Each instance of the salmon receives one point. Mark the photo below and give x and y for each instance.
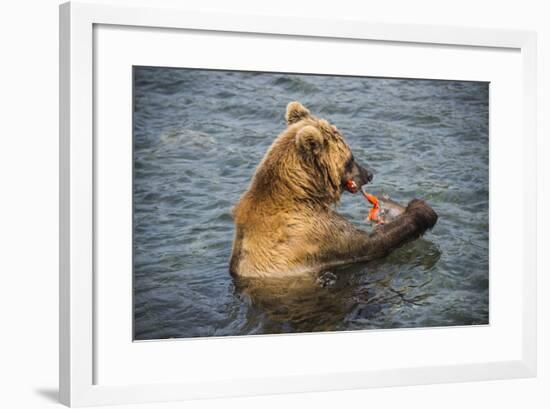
(384, 209)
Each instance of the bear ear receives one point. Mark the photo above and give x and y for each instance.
(309, 141)
(295, 112)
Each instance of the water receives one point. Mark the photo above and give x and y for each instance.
(198, 136)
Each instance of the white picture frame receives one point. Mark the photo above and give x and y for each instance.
(78, 291)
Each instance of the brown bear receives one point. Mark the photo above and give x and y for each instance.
(285, 221)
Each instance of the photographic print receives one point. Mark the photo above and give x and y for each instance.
(270, 203)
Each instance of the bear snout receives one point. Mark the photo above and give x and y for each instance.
(362, 175)
(367, 175)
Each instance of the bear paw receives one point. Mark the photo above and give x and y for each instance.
(423, 215)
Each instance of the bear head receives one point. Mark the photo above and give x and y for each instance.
(310, 161)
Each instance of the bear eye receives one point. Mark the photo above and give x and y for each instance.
(349, 164)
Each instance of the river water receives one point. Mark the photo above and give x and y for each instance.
(198, 136)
